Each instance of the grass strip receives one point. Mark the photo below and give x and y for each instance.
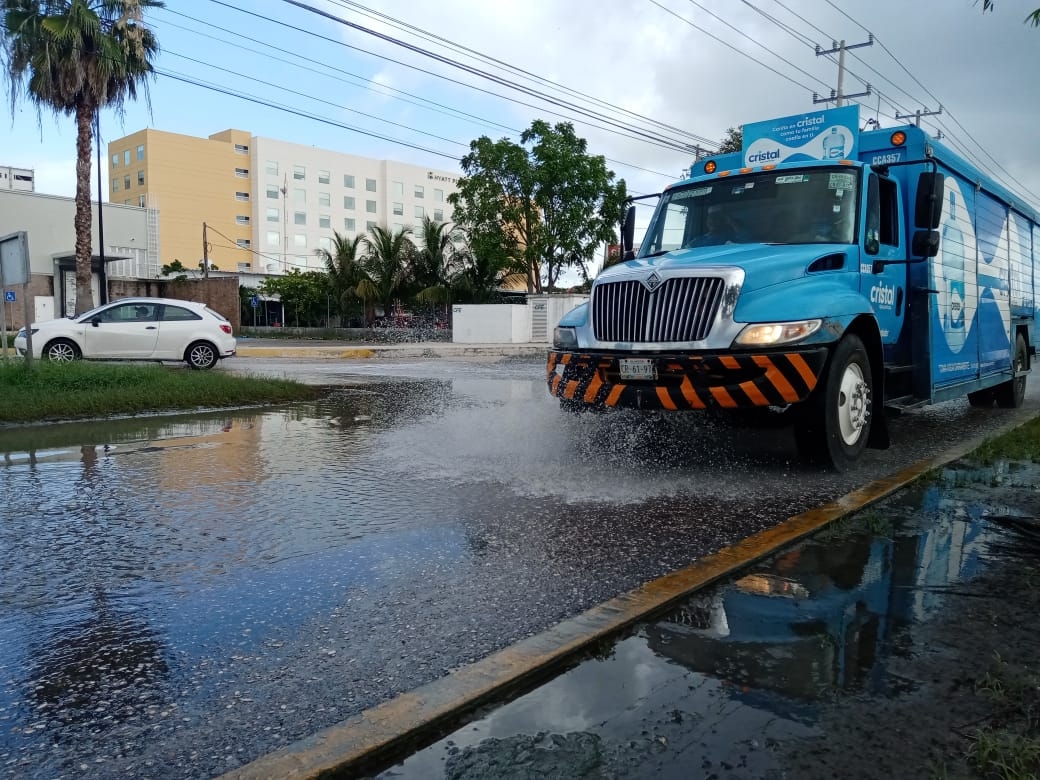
(54, 391)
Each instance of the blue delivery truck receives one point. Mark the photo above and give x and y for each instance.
(819, 276)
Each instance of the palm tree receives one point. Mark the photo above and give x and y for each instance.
(386, 264)
(76, 57)
(436, 263)
(343, 266)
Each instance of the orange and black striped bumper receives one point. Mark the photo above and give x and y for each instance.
(732, 381)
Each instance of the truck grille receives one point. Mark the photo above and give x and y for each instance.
(681, 309)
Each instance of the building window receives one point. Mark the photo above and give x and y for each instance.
(348, 181)
(348, 224)
(325, 242)
(299, 172)
(398, 209)
(370, 206)
(419, 212)
(241, 149)
(300, 218)
(419, 191)
(369, 225)
(115, 160)
(438, 195)
(115, 184)
(126, 180)
(243, 196)
(274, 238)
(438, 215)
(397, 188)
(324, 199)
(140, 178)
(242, 173)
(272, 191)
(299, 195)
(324, 177)
(126, 157)
(273, 215)
(370, 185)
(241, 219)
(300, 240)
(244, 266)
(271, 169)
(140, 201)
(324, 221)
(128, 202)
(398, 227)
(243, 243)
(348, 202)
(140, 152)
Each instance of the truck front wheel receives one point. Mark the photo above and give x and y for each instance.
(835, 423)
(1010, 394)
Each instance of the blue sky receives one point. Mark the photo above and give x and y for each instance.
(699, 66)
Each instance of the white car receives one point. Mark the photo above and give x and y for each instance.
(160, 329)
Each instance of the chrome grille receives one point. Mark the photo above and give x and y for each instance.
(681, 309)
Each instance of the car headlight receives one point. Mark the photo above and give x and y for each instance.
(774, 333)
(20, 334)
(565, 338)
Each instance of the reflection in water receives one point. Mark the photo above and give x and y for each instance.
(739, 668)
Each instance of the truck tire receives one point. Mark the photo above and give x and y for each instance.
(835, 423)
(1010, 394)
(981, 399)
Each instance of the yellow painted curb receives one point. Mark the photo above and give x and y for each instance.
(381, 733)
(306, 352)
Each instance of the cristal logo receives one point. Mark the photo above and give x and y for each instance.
(884, 295)
(772, 154)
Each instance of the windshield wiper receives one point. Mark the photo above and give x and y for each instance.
(658, 253)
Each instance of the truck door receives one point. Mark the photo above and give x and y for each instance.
(886, 290)
(955, 332)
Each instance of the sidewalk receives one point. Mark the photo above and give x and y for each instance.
(357, 350)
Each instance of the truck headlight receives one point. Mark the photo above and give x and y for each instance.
(565, 338)
(774, 333)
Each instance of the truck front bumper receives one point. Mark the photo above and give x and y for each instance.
(687, 381)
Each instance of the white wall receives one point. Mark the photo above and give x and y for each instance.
(490, 323)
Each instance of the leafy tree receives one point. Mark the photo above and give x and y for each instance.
(343, 266)
(176, 267)
(304, 294)
(386, 262)
(1033, 18)
(733, 140)
(76, 57)
(436, 262)
(542, 205)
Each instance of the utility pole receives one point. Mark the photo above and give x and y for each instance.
(205, 253)
(916, 116)
(840, 48)
(285, 224)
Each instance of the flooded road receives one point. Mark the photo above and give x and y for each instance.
(182, 594)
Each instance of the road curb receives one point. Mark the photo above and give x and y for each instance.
(382, 733)
(395, 351)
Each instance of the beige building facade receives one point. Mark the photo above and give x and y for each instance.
(269, 206)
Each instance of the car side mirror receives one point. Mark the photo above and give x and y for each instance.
(95, 321)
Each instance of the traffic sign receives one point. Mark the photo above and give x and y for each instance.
(254, 301)
(9, 296)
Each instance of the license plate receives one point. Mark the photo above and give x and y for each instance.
(637, 368)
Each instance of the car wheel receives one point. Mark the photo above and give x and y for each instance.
(61, 351)
(201, 356)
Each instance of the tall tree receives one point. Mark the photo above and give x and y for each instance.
(76, 57)
(733, 141)
(436, 262)
(544, 204)
(386, 264)
(1032, 18)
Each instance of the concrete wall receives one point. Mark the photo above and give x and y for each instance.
(490, 323)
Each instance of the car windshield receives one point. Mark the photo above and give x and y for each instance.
(810, 206)
(85, 316)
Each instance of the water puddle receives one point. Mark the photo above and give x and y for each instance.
(714, 687)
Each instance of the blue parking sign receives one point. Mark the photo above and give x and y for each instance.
(9, 296)
(254, 301)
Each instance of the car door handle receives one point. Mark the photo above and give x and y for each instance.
(150, 327)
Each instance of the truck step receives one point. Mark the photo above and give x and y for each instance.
(905, 402)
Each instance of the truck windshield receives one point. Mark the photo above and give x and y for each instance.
(809, 206)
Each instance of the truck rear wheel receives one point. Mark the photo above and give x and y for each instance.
(835, 422)
(1010, 394)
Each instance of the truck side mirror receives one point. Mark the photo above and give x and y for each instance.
(928, 208)
(628, 233)
(925, 243)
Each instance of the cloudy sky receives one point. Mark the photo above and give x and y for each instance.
(643, 80)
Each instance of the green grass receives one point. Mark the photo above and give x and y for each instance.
(1023, 443)
(49, 391)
